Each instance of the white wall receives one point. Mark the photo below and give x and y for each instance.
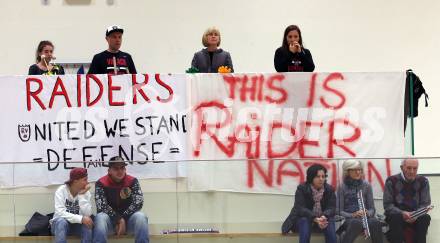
(162, 36)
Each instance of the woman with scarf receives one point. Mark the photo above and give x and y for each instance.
(348, 205)
(314, 207)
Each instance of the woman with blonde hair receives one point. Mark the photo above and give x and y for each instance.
(211, 58)
(348, 203)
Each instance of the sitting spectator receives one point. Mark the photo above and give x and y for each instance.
(119, 200)
(405, 193)
(314, 207)
(73, 208)
(348, 204)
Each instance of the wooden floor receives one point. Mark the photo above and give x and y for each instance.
(161, 236)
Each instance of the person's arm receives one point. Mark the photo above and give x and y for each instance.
(194, 62)
(85, 205)
(330, 209)
(300, 204)
(33, 70)
(388, 199)
(282, 59)
(369, 201)
(425, 195)
(102, 204)
(137, 200)
(61, 210)
(307, 60)
(229, 62)
(341, 204)
(93, 68)
(131, 66)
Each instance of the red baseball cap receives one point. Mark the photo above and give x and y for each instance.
(77, 173)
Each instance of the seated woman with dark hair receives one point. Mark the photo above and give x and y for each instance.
(314, 207)
(348, 204)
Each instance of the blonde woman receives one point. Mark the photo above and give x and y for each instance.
(209, 59)
(348, 205)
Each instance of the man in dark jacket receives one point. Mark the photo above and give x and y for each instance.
(112, 60)
(314, 207)
(404, 194)
(119, 200)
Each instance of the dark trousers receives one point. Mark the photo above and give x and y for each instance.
(397, 225)
(305, 226)
(353, 228)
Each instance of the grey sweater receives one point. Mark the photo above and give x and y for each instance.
(347, 202)
(202, 61)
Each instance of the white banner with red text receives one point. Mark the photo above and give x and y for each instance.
(283, 123)
(235, 132)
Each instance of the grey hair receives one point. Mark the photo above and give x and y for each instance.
(351, 164)
(408, 158)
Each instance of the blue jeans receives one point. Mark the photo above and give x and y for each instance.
(137, 224)
(62, 228)
(304, 226)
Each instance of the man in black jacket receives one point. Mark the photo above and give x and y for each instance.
(112, 60)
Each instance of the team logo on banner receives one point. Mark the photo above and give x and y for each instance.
(24, 132)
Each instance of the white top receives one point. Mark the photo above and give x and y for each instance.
(71, 208)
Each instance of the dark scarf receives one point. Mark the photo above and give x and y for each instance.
(350, 194)
(352, 182)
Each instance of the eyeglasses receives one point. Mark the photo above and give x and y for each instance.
(356, 170)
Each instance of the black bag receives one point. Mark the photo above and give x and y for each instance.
(37, 225)
(289, 223)
(418, 91)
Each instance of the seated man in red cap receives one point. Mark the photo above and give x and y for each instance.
(119, 200)
(73, 208)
